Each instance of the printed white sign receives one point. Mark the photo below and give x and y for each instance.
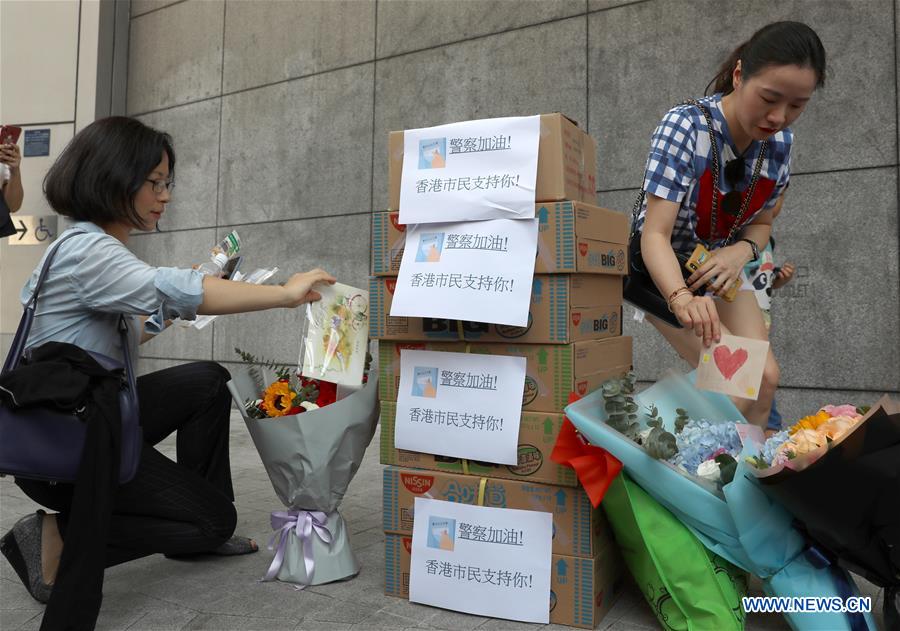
(484, 169)
(491, 562)
(480, 271)
(460, 405)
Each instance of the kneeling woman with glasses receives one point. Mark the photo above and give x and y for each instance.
(115, 177)
(742, 134)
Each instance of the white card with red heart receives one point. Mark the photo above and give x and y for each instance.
(734, 366)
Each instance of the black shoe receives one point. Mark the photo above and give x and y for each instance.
(22, 548)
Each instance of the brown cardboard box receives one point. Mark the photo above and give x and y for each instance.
(572, 237)
(582, 591)
(567, 163)
(537, 436)
(564, 308)
(579, 529)
(552, 371)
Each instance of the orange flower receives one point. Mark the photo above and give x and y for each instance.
(810, 422)
(278, 399)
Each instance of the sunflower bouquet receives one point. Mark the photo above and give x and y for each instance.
(290, 393)
(311, 436)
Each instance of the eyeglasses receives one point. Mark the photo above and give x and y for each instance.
(734, 175)
(162, 185)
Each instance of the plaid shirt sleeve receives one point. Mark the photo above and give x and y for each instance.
(784, 170)
(670, 167)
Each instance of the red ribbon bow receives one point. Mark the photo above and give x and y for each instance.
(595, 467)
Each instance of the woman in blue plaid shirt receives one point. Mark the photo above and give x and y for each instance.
(760, 90)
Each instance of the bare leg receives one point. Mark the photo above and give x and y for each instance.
(51, 548)
(744, 318)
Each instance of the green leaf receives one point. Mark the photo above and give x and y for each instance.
(660, 444)
(727, 467)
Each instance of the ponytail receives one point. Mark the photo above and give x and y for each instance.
(776, 44)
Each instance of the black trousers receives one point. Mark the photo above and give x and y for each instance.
(170, 507)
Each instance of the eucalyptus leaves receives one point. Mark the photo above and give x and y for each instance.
(697, 447)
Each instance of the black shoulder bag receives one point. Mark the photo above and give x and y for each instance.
(639, 288)
(45, 443)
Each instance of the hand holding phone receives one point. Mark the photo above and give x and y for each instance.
(9, 134)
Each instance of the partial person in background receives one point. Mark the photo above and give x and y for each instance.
(11, 176)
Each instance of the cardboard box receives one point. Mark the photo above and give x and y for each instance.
(572, 237)
(579, 529)
(582, 591)
(564, 308)
(537, 436)
(567, 163)
(552, 371)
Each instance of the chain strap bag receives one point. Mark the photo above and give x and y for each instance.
(43, 443)
(639, 289)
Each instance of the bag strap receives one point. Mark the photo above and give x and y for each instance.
(757, 168)
(21, 337)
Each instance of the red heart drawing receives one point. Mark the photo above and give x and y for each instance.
(576, 318)
(582, 247)
(729, 362)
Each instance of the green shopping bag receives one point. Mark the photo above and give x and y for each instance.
(688, 587)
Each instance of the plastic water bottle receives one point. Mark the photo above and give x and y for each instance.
(219, 255)
(215, 265)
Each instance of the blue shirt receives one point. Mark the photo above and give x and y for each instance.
(93, 279)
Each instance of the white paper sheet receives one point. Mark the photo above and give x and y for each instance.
(461, 405)
(487, 561)
(484, 169)
(479, 270)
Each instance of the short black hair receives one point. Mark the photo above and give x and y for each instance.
(100, 171)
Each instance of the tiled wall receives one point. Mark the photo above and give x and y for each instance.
(281, 110)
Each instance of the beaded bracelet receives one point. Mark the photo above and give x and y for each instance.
(677, 294)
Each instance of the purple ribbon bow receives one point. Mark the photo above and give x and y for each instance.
(304, 523)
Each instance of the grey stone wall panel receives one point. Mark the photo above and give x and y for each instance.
(175, 56)
(836, 324)
(643, 61)
(195, 133)
(408, 25)
(298, 149)
(139, 7)
(267, 41)
(530, 71)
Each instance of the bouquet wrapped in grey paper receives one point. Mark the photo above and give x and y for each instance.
(311, 458)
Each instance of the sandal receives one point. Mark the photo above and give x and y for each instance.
(237, 545)
(22, 548)
(231, 547)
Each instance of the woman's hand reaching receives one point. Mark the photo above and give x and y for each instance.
(299, 287)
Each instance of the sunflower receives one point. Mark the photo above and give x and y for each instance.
(810, 422)
(278, 399)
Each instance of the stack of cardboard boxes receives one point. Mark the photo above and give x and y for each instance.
(572, 342)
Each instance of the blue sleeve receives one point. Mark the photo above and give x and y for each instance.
(784, 168)
(670, 166)
(109, 278)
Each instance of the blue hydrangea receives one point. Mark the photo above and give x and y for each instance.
(700, 439)
(772, 444)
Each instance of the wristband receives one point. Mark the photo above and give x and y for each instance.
(754, 248)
